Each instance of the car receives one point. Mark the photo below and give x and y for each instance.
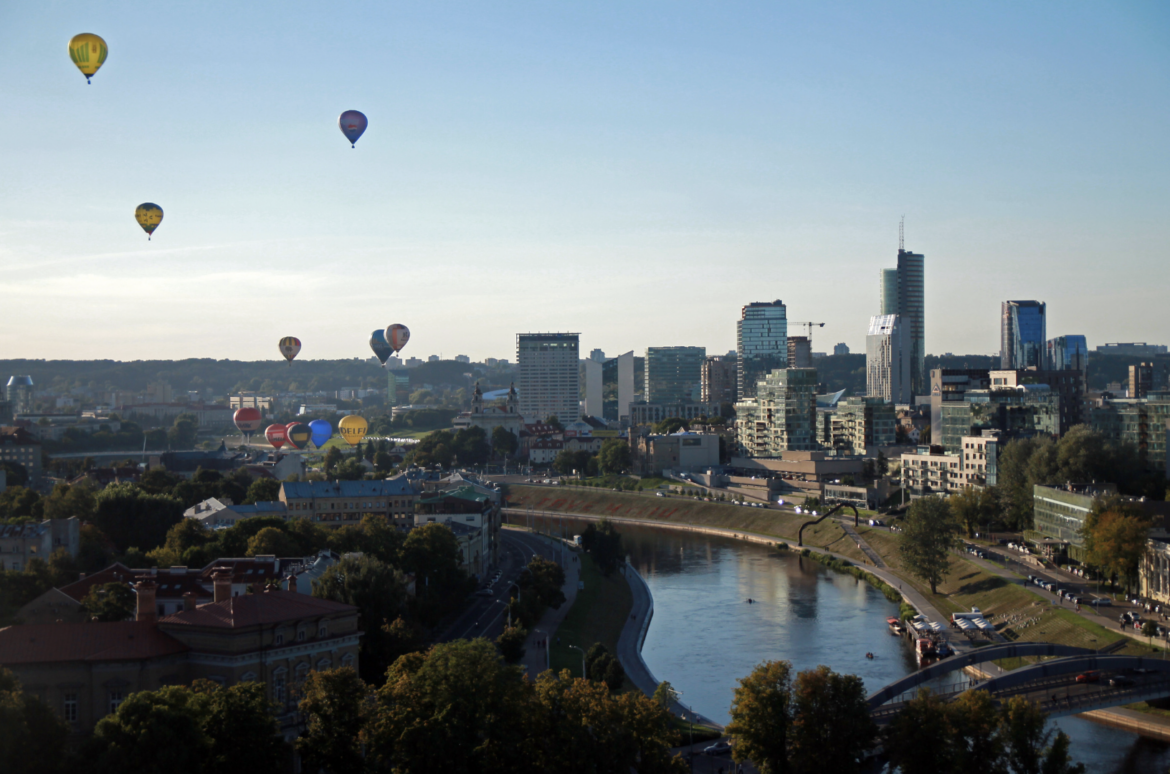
(485, 592)
(1091, 676)
(1120, 681)
(719, 748)
(660, 494)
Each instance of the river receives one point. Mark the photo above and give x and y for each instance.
(705, 636)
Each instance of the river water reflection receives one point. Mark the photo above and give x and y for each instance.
(704, 635)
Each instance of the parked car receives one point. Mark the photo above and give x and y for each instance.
(1092, 676)
(719, 748)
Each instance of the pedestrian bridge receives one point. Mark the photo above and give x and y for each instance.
(1051, 683)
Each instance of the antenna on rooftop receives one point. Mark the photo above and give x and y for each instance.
(902, 234)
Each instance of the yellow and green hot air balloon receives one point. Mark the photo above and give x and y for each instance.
(88, 52)
(148, 216)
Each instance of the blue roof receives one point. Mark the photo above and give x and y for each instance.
(388, 488)
(258, 509)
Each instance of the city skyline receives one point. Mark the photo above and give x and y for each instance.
(761, 153)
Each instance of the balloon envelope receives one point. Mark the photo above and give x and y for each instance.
(321, 430)
(88, 52)
(353, 123)
(275, 435)
(397, 336)
(382, 350)
(289, 347)
(353, 429)
(298, 435)
(247, 420)
(148, 216)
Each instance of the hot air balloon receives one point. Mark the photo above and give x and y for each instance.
(289, 347)
(298, 435)
(88, 52)
(148, 216)
(247, 420)
(275, 435)
(382, 350)
(353, 123)
(321, 431)
(397, 336)
(353, 429)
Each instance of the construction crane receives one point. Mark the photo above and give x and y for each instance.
(808, 326)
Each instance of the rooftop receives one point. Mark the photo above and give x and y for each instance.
(392, 487)
(94, 642)
(261, 609)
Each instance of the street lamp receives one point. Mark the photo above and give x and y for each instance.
(547, 655)
(675, 694)
(583, 672)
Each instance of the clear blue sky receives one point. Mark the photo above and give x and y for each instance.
(633, 171)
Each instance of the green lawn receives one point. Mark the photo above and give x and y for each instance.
(598, 615)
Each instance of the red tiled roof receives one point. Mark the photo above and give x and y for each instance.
(173, 585)
(244, 570)
(261, 609)
(115, 572)
(54, 642)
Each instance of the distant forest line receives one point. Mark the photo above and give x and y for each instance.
(221, 377)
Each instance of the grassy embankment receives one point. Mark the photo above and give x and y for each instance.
(673, 509)
(598, 615)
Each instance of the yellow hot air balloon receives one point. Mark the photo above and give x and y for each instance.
(88, 52)
(148, 216)
(353, 429)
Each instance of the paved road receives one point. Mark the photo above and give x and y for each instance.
(486, 616)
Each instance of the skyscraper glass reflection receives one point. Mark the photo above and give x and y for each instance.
(1022, 334)
(761, 342)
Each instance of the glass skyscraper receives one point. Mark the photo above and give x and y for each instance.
(1068, 353)
(674, 374)
(761, 342)
(1022, 334)
(903, 294)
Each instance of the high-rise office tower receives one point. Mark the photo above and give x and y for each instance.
(889, 291)
(1067, 353)
(718, 379)
(674, 374)
(887, 360)
(550, 375)
(799, 352)
(761, 343)
(903, 292)
(1022, 334)
(19, 392)
(594, 387)
(625, 383)
(1141, 379)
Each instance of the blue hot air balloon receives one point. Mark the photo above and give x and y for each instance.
(382, 350)
(322, 431)
(353, 123)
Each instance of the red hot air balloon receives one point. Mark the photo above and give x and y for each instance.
(248, 420)
(298, 435)
(275, 435)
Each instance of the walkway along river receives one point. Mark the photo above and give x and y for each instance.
(705, 636)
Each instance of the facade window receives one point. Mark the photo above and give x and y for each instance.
(323, 631)
(278, 689)
(115, 700)
(70, 707)
(280, 639)
(300, 635)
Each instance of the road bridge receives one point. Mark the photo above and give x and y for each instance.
(1071, 680)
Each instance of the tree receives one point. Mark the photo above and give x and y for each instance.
(457, 707)
(604, 543)
(336, 712)
(504, 442)
(262, 490)
(471, 446)
(614, 456)
(33, 740)
(114, 601)
(69, 501)
(379, 592)
(383, 462)
(974, 508)
(761, 714)
(670, 425)
(929, 532)
(16, 475)
(402, 637)
(1028, 748)
(182, 434)
(918, 740)
(333, 458)
(831, 727)
(511, 643)
(242, 727)
(1114, 536)
(350, 470)
(131, 517)
(435, 448)
(272, 541)
(20, 504)
(602, 667)
(665, 695)
(152, 732)
(432, 553)
(555, 423)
